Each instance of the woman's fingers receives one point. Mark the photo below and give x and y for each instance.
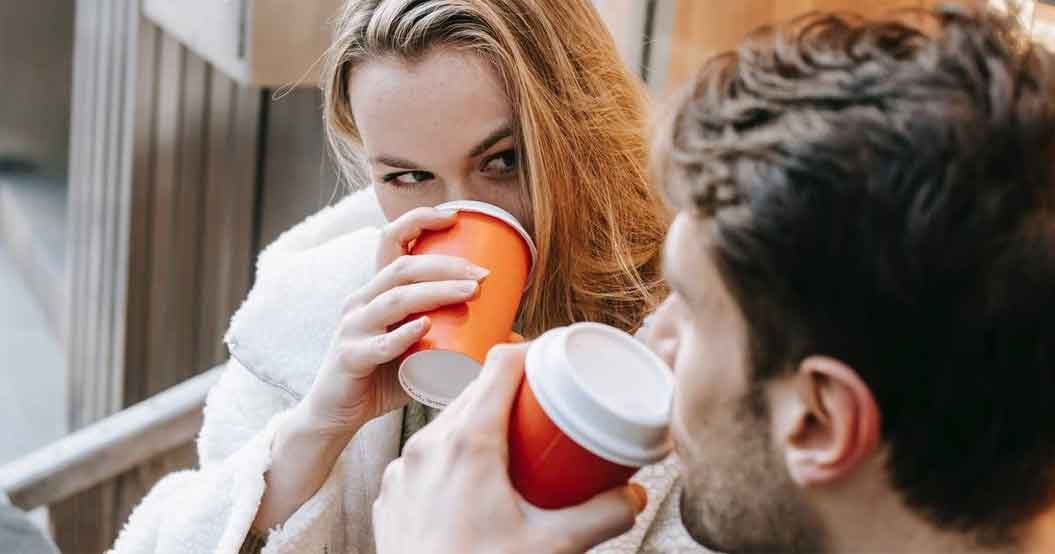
(397, 304)
(397, 235)
(407, 270)
(371, 352)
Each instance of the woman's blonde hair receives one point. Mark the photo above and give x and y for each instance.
(580, 118)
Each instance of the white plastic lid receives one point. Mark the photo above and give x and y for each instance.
(605, 390)
(436, 377)
(497, 213)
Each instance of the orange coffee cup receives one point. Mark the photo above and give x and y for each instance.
(593, 408)
(436, 369)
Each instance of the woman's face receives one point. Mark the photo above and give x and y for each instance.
(438, 129)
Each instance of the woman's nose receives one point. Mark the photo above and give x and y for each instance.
(458, 190)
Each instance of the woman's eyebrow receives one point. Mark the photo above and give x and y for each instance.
(393, 161)
(502, 132)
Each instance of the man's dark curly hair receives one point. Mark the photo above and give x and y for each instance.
(882, 192)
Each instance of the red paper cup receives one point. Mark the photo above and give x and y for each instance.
(593, 408)
(441, 365)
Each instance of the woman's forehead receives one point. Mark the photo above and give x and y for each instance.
(450, 99)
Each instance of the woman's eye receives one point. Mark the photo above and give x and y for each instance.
(408, 177)
(501, 165)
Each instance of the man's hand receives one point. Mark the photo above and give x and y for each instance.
(450, 492)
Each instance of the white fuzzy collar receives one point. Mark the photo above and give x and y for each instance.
(283, 329)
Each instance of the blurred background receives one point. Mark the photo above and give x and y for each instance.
(148, 150)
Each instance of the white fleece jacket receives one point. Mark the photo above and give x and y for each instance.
(277, 340)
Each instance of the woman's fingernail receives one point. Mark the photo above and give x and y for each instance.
(638, 497)
(468, 287)
(448, 212)
(477, 272)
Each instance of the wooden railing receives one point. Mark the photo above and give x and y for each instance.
(108, 448)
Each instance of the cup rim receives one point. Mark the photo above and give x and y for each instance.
(424, 390)
(587, 326)
(497, 213)
(546, 385)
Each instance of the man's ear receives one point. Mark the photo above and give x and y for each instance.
(829, 421)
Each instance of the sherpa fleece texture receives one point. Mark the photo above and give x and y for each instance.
(277, 340)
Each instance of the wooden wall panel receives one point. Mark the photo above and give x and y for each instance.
(688, 32)
(196, 181)
(160, 324)
(100, 147)
(626, 20)
(136, 483)
(179, 176)
(100, 197)
(98, 513)
(76, 209)
(298, 176)
(216, 196)
(147, 60)
(157, 134)
(195, 195)
(228, 206)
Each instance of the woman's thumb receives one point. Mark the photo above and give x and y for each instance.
(603, 517)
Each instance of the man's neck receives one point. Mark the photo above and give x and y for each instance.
(886, 524)
(907, 539)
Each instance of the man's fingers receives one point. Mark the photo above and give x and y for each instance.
(390, 488)
(480, 409)
(601, 518)
(498, 384)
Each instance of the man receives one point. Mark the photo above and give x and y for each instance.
(863, 318)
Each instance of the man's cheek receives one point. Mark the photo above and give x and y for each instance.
(687, 429)
(666, 348)
(690, 395)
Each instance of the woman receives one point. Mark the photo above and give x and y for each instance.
(520, 103)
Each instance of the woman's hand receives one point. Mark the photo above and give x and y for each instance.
(357, 383)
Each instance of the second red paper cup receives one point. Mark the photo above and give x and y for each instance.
(441, 365)
(593, 408)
